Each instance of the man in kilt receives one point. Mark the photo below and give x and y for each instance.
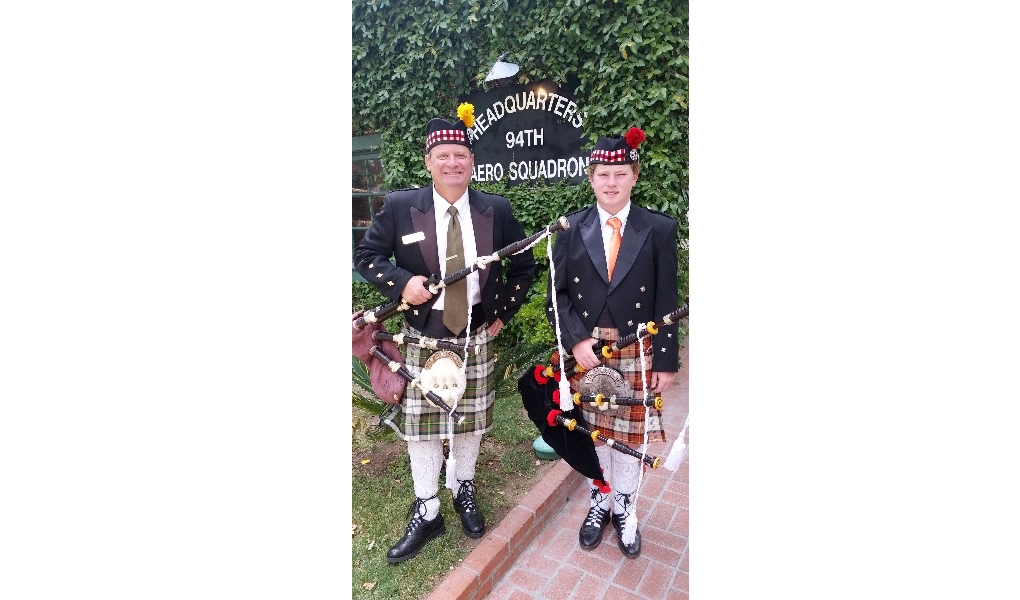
(442, 229)
(616, 268)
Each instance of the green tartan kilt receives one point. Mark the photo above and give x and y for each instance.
(416, 419)
(627, 423)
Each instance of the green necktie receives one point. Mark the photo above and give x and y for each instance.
(455, 309)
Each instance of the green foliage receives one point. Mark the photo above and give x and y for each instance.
(364, 296)
(412, 62)
(362, 394)
(512, 360)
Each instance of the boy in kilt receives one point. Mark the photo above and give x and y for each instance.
(616, 268)
(442, 229)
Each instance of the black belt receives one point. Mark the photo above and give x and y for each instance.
(434, 322)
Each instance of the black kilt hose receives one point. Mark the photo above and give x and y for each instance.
(416, 419)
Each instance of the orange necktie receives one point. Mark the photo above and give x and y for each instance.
(614, 244)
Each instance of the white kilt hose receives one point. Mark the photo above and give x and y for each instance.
(416, 419)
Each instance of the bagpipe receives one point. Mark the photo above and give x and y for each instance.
(572, 425)
(401, 339)
(416, 382)
(602, 402)
(376, 347)
(570, 366)
(436, 283)
(604, 387)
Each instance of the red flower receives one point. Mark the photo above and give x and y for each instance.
(634, 137)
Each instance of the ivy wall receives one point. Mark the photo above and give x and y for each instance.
(413, 60)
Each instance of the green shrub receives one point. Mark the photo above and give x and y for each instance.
(629, 57)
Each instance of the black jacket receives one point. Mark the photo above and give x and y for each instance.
(409, 211)
(644, 284)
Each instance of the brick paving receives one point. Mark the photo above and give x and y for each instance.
(534, 554)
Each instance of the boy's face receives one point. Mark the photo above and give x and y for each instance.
(612, 185)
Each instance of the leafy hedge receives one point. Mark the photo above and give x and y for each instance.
(413, 61)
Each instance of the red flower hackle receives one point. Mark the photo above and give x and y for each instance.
(634, 137)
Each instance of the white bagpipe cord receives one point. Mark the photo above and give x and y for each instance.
(676, 455)
(451, 462)
(482, 262)
(629, 533)
(566, 402)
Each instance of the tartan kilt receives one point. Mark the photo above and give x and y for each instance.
(627, 423)
(415, 419)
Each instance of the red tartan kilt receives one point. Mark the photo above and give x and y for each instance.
(627, 423)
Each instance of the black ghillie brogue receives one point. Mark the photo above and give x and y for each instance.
(419, 532)
(633, 549)
(590, 535)
(471, 518)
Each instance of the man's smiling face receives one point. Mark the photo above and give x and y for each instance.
(450, 166)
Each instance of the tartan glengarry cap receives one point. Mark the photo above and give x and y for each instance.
(616, 150)
(441, 131)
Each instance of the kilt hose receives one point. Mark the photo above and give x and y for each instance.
(627, 423)
(415, 419)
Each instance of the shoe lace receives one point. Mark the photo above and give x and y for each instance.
(466, 495)
(624, 502)
(596, 517)
(417, 512)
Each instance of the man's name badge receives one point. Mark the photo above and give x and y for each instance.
(413, 238)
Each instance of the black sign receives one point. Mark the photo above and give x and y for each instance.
(528, 133)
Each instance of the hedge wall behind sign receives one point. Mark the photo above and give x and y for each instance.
(412, 60)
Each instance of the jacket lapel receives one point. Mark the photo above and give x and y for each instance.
(482, 219)
(591, 234)
(423, 217)
(634, 235)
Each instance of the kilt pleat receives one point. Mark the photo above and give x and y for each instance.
(415, 419)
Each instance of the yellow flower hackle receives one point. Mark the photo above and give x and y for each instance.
(466, 113)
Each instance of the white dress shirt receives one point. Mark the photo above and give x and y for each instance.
(467, 236)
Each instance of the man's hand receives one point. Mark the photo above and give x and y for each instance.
(661, 381)
(415, 291)
(584, 355)
(495, 327)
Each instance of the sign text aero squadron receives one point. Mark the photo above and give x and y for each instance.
(528, 133)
